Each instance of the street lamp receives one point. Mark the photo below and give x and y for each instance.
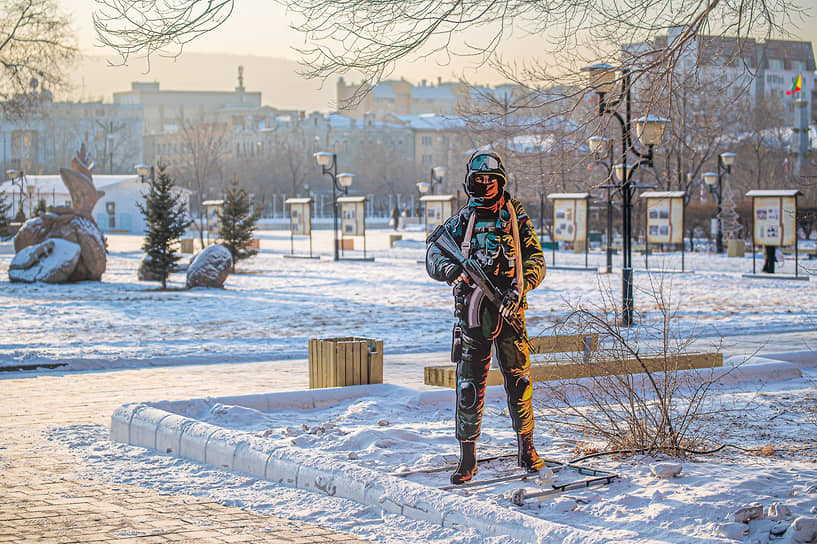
(436, 176)
(17, 176)
(340, 185)
(143, 170)
(600, 146)
(649, 129)
(725, 162)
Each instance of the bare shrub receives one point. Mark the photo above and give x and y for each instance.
(633, 398)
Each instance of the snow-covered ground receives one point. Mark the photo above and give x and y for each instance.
(269, 311)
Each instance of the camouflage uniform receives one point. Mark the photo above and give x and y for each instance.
(492, 245)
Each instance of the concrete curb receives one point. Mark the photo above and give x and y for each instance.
(157, 428)
(160, 426)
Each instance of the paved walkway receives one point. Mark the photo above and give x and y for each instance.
(43, 499)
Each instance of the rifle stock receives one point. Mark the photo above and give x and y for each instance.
(443, 240)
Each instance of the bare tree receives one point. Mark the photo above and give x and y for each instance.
(36, 44)
(291, 153)
(371, 37)
(201, 165)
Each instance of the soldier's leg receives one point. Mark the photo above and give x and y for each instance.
(472, 371)
(515, 366)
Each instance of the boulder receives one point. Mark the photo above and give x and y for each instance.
(51, 261)
(74, 227)
(210, 268)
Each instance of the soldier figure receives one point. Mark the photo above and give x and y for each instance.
(493, 230)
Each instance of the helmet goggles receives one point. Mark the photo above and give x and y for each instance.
(484, 163)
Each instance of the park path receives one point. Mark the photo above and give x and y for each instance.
(44, 498)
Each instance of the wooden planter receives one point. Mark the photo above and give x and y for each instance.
(350, 360)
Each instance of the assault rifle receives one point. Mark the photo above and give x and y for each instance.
(443, 240)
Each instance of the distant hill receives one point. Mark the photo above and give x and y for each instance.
(277, 79)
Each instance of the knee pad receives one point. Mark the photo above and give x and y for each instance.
(466, 395)
(519, 385)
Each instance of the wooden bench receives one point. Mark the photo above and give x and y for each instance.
(446, 375)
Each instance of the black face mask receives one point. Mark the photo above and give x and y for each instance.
(489, 191)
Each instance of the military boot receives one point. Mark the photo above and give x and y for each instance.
(467, 467)
(527, 458)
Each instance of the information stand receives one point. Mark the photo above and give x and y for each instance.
(774, 223)
(300, 224)
(664, 221)
(353, 223)
(438, 208)
(570, 224)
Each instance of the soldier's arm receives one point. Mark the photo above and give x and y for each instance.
(440, 267)
(533, 259)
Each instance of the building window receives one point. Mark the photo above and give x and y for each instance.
(776, 64)
(428, 140)
(428, 159)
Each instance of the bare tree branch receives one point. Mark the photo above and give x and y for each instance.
(36, 42)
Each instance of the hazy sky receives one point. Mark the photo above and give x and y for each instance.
(261, 27)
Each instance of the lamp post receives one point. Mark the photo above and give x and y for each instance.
(340, 185)
(599, 146)
(436, 176)
(144, 171)
(725, 162)
(16, 177)
(648, 130)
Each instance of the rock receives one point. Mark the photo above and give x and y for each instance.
(210, 268)
(74, 227)
(748, 513)
(803, 531)
(778, 512)
(51, 261)
(734, 531)
(666, 470)
(94, 257)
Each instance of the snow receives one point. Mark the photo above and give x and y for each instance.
(273, 305)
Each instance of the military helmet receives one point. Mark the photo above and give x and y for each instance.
(484, 162)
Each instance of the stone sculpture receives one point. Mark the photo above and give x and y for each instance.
(210, 268)
(51, 261)
(75, 223)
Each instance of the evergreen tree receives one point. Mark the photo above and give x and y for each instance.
(41, 208)
(166, 221)
(237, 223)
(5, 227)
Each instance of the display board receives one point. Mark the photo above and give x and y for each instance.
(438, 209)
(353, 215)
(774, 219)
(300, 216)
(665, 217)
(569, 216)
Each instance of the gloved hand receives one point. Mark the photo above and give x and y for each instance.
(453, 274)
(510, 301)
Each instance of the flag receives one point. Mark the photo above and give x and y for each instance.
(798, 85)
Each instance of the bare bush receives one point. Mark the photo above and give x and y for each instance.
(632, 400)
